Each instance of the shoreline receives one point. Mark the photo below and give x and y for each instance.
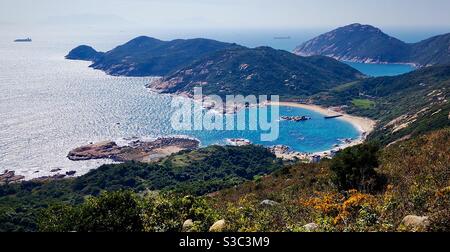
(364, 125)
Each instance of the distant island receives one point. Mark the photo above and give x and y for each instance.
(368, 44)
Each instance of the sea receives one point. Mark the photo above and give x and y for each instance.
(50, 105)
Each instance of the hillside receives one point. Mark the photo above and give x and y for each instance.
(432, 51)
(405, 106)
(363, 189)
(368, 44)
(189, 172)
(261, 70)
(145, 56)
(415, 175)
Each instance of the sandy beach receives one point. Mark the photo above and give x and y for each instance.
(364, 125)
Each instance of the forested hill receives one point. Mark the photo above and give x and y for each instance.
(261, 70)
(145, 56)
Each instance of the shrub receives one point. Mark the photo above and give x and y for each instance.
(110, 212)
(354, 168)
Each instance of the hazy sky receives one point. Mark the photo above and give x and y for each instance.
(228, 13)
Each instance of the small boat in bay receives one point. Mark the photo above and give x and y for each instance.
(335, 116)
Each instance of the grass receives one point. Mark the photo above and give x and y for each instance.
(363, 103)
(344, 87)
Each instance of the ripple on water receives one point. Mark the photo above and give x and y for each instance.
(54, 105)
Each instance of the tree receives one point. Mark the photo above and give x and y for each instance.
(354, 168)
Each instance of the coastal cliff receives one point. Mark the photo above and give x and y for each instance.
(368, 44)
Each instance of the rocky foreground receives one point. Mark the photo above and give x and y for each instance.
(139, 151)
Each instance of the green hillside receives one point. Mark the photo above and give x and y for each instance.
(406, 105)
(262, 70)
(190, 172)
(145, 56)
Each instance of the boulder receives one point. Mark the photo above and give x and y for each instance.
(415, 223)
(218, 226)
(70, 173)
(187, 225)
(269, 203)
(10, 177)
(311, 227)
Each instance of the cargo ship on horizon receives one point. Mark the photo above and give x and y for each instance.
(23, 40)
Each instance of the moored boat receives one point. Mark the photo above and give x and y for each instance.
(335, 116)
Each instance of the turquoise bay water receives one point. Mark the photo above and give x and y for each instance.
(317, 134)
(377, 70)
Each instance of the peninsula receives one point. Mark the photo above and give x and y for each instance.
(368, 44)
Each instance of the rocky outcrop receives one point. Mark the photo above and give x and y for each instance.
(102, 150)
(71, 173)
(268, 203)
(10, 177)
(218, 226)
(415, 223)
(135, 151)
(187, 225)
(311, 227)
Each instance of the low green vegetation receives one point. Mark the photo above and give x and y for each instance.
(363, 103)
(363, 189)
(195, 172)
(125, 211)
(336, 195)
(260, 71)
(415, 180)
(405, 106)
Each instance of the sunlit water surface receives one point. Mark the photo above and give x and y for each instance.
(49, 105)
